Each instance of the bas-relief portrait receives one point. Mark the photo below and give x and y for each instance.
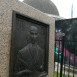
(29, 55)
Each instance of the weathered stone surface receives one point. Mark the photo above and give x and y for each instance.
(6, 8)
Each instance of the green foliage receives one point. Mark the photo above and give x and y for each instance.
(66, 75)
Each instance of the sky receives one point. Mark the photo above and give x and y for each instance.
(64, 7)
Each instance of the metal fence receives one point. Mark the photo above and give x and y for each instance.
(65, 59)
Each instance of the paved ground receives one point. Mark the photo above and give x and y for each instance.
(57, 67)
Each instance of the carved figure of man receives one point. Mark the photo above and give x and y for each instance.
(30, 59)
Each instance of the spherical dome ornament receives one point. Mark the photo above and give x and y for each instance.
(45, 6)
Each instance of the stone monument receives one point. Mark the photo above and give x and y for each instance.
(26, 41)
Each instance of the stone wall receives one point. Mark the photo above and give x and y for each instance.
(6, 8)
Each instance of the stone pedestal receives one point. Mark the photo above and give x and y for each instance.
(6, 9)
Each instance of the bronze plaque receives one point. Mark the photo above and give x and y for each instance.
(29, 47)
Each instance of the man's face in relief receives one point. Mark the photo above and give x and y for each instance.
(33, 34)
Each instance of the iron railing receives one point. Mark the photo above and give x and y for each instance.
(65, 59)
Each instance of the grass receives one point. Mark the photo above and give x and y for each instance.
(66, 75)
